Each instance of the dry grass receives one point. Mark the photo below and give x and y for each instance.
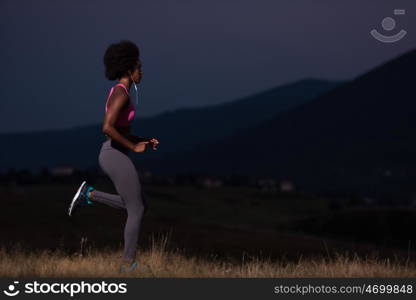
(159, 261)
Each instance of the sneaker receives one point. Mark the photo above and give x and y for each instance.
(132, 267)
(80, 198)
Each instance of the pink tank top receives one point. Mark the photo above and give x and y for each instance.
(126, 115)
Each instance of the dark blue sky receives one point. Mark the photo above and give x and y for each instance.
(194, 53)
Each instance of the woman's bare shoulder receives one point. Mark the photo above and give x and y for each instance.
(119, 95)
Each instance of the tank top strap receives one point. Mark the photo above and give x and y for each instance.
(120, 84)
(106, 103)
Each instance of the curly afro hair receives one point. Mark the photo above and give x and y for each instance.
(119, 58)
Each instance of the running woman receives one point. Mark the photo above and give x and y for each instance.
(122, 63)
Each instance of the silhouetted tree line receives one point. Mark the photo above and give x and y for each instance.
(14, 177)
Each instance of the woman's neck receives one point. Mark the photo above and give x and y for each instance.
(126, 82)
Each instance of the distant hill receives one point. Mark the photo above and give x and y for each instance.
(177, 131)
(359, 137)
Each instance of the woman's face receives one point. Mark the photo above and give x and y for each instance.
(137, 73)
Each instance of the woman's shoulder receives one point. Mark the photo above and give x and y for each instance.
(121, 87)
(118, 94)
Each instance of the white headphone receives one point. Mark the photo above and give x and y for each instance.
(135, 87)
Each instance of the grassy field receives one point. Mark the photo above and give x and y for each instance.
(229, 231)
(158, 261)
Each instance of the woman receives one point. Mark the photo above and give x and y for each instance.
(122, 62)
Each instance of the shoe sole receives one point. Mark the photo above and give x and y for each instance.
(71, 206)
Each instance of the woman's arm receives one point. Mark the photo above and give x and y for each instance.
(118, 100)
(137, 139)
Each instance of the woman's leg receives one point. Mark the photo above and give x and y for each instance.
(119, 167)
(113, 200)
(106, 198)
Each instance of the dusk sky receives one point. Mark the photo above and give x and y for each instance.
(194, 53)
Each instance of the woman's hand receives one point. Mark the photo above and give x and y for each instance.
(141, 147)
(154, 142)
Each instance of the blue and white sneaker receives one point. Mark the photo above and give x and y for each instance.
(81, 197)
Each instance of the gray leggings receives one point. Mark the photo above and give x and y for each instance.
(115, 162)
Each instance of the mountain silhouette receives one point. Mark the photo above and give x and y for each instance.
(358, 137)
(177, 131)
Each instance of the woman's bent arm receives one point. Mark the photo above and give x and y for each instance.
(115, 135)
(116, 102)
(137, 139)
